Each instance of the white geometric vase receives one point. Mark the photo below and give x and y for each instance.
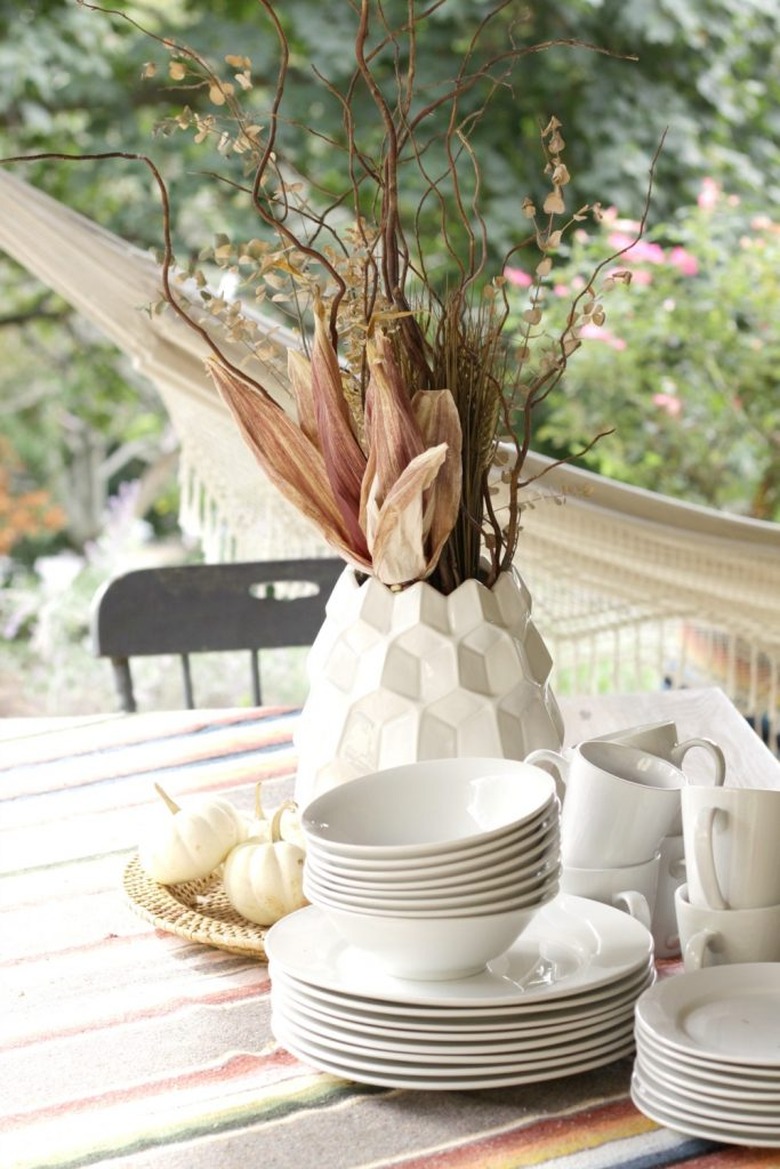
(396, 677)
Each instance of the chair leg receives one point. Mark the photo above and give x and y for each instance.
(187, 677)
(123, 681)
(256, 694)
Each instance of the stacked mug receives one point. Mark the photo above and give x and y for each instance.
(621, 827)
(729, 910)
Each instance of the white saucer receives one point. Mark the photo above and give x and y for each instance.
(723, 1015)
(728, 1103)
(397, 1020)
(695, 1124)
(571, 947)
(734, 1075)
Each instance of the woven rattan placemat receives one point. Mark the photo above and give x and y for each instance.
(196, 910)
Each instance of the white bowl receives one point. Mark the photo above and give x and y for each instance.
(541, 890)
(455, 859)
(431, 948)
(427, 808)
(485, 864)
(489, 883)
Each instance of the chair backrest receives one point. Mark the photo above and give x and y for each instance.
(209, 608)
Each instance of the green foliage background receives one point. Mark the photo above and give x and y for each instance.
(73, 79)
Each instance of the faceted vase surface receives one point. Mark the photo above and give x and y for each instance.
(396, 677)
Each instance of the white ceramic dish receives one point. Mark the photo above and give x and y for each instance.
(483, 874)
(443, 1055)
(427, 808)
(538, 1014)
(664, 1075)
(573, 946)
(450, 1081)
(694, 1124)
(300, 1010)
(726, 1015)
(529, 891)
(452, 946)
(400, 1073)
(733, 1077)
(435, 865)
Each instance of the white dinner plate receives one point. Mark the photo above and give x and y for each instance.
(438, 1057)
(572, 946)
(466, 1081)
(699, 1126)
(721, 1015)
(725, 1103)
(501, 1023)
(403, 1073)
(538, 1012)
(480, 1047)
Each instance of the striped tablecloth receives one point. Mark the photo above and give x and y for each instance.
(127, 1046)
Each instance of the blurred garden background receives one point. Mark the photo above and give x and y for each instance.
(684, 368)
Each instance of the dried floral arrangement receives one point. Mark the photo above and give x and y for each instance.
(408, 389)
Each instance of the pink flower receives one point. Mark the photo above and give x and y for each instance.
(709, 194)
(600, 333)
(639, 252)
(561, 289)
(518, 277)
(685, 261)
(668, 402)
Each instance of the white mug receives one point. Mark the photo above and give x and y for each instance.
(662, 738)
(671, 874)
(719, 937)
(628, 887)
(618, 802)
(732, 846)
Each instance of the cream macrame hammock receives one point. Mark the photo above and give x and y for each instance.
(631, 590)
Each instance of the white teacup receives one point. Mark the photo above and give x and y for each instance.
(671, 874)
(732, 841)
(629, 887)
(719, 937)
(662, 738)
(618, 802)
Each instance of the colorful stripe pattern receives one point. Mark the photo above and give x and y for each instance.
(126, 1046)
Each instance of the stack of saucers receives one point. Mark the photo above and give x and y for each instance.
(708, 1053)
(434, 868)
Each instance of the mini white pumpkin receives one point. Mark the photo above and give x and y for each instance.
(263, 879)
(259, 826)
(185, 844)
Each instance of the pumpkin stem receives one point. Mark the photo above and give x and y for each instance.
(172, 806)
(276, 823)
(259, 813)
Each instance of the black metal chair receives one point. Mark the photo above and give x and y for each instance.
(209, 608)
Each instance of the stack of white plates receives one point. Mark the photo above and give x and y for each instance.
(708, 1054)
(560, 1000)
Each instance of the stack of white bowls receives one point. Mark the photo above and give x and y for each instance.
(434, 868)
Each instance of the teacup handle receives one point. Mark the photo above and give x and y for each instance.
(712, 749)
(635, 904)
(559, 762)
(697, 948)
(704, 857)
